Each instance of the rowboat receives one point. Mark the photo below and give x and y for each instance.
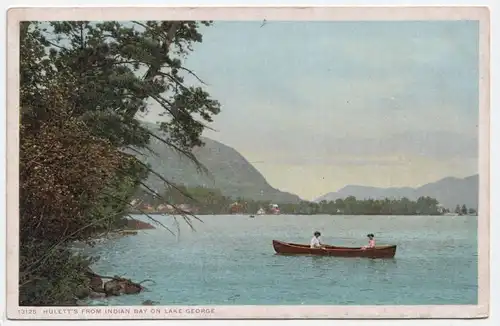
(286, 248)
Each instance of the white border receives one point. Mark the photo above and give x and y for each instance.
(493, 130)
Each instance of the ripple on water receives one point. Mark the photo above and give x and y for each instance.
(228, 261)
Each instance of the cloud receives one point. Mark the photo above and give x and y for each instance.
(309, 151)
(336, 93)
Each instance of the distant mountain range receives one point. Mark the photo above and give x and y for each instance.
(235, 177)
(448, 191)
(230, 172)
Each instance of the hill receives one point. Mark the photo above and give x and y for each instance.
(229, 171)
(449, 192)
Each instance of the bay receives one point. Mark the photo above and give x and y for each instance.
(229, 260)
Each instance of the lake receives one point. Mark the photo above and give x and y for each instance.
(229, 260)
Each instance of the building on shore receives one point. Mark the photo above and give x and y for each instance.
(274, 209)
(236, 208)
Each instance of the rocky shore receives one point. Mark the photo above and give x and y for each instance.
(98, 288)
(102, 287)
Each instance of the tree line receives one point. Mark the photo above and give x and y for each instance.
(463, 210)
(82, 86)
(212, 201)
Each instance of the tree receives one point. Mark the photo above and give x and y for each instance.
(82, 86)
(123, 67)
(340, 205)
(63, 169)
(349, 204)
(464, 210)
(427, 206)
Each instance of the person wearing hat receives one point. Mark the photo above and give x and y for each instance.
(315, 241)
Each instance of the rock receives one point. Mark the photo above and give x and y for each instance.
(131, 288)
(150, 303)
(96, 284)
(97, 295)
(112, 287)
(82, 293)
(95, 281)
(119, 286)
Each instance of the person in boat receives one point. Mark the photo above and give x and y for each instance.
(315, 241)
(371, 241)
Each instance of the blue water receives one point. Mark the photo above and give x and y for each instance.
(230, 260)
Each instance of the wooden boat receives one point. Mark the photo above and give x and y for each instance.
(285, 248)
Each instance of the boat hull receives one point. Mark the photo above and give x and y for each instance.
(285, 248)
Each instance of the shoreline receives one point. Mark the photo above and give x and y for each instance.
(296, 214)
(99, 289)
(102, 289)
(266, 253)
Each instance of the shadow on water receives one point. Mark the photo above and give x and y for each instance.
(353, 260)
(328, 264)
(322, 259)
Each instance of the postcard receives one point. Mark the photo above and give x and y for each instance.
(248, 162)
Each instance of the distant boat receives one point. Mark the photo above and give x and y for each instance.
(261, 211)
(252, 216)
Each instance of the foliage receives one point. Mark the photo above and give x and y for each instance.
(54, 282)
(81, 90)
(211, 201)
(113, 201)
(63, 168)
(122, 67)
(472, 211)
(463, 210)
(352, 206)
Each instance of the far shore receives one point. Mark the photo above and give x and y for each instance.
(298, 214)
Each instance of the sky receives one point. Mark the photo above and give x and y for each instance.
(320, 105)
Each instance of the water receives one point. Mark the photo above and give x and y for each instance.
(229, 260)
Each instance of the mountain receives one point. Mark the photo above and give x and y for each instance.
(229, 171)
(449, 192)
